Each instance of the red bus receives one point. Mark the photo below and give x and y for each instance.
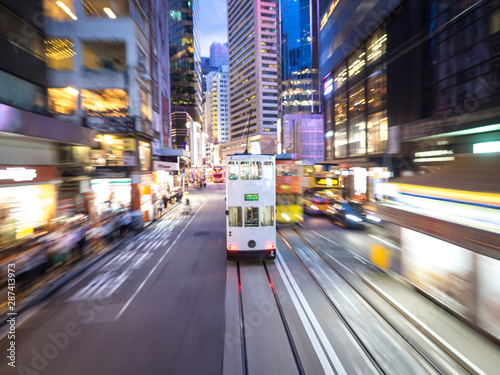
(219, 177)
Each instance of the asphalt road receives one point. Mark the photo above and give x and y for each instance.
(155, 307)
(168, 302)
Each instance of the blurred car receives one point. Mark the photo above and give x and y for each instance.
(348, 214)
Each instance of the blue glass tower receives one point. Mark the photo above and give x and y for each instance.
(299, 65)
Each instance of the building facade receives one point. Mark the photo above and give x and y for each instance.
(218, 54)
(411, 84)
(254, 82)
(185, 74)
(220, 106)
(99, 72)
(299, 34)
(41, 157)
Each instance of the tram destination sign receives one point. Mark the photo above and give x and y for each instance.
(251, 197)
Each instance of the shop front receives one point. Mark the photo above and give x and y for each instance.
(164, 175)
(28, 200)
(112, 189)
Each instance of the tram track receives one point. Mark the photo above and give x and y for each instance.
(365, 300)
(286, 326)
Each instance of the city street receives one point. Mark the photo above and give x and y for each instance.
(167, 302)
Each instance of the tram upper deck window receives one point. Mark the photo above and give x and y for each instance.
(267, 216)
(251, 216)
(235, 217)
(251, 170)
(232, 170)
(268, 170)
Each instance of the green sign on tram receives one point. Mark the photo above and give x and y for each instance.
(251, 197)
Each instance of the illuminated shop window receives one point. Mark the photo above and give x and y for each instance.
(59, 53)
(105, 102)
(144, 156)
(63, 100)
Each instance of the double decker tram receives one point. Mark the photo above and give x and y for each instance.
(288, 190)
(322, 184)
(250, 207)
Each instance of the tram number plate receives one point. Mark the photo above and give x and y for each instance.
(251, 197)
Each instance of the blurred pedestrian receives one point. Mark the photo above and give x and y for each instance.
(160, 209)
(165, 200)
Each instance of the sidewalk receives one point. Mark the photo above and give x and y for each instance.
(53, 280)
(473, 351)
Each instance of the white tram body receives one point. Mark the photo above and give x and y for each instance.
(250, 207)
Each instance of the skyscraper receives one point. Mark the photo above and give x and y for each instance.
(299, 67)
(218, 54)
(300, 90)
(254, 82)
(185, 69)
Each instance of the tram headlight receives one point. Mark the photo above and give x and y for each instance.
(270, 246)
(232, 247)
(285, 216)
(353, 218)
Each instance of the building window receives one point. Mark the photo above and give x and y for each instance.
(20, 33)
(357, 100)
(59, 54)
(63, 101)
(104, 56)
(340, 141)
(357, 136)
(376, 45)
(377, 132)
(144, 156)
(376, 89)
(19, 93)
(356, 62)
(106, 8)
(60, 11)
(105, 102)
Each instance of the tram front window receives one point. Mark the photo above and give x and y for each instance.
(251, 170)
(268, 170)
(251, 216)
(232, 170)
(267, 219)
(235, 217)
